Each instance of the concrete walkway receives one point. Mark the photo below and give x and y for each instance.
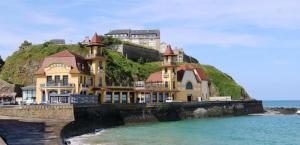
(17, 131)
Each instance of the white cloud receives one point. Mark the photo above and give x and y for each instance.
(48, 19)
(197, 36)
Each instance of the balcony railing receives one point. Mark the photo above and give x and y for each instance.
(89, 56)
(154, 85)
(168, 63)
(57, 85)
(166, 75)
(112, 84)
(84, 85)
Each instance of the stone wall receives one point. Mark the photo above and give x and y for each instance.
(88, 118)
(135, 53)
(132, 113)
(189, 59)
(57, 112)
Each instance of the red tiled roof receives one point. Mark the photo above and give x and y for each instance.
(96, 40)
(201, 73)
(155, 77)
(184, 67)
(169, 51)
(66, 57)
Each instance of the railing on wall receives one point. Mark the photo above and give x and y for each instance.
(84, 99)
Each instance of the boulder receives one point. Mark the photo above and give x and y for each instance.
(200, 113)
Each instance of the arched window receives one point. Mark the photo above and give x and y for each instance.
(189, 86)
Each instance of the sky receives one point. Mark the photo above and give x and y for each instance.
(255, 41)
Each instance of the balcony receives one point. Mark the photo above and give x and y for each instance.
(168, 63)
(166, 75)
(95, 56)
(156, 85)
(57, 85)
(84, 86)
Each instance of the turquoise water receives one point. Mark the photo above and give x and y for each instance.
(244, 130)
(283, 103)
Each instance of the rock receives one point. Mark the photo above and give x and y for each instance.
(200, 113)
(215, 111)
(281, 110)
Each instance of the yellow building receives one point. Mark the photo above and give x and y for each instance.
(183, 83)
(66, 73)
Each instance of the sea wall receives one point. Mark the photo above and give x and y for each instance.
(57, 112)
(88, 118)
(71, 120)
(131, 113)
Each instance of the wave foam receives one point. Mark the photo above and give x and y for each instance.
(78, 140)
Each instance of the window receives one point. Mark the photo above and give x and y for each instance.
(166, 84)
(189, 86)
(166, 70)
(124, 98)
(108, 98)
(57, 79)
(65, 80)
(49, 80)
(116, 98)
(174, 85)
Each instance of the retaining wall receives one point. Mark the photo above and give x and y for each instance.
(57, 112)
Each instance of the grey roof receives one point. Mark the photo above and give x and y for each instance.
(137, 32)
(28, 88)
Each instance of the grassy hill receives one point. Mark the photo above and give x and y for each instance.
(19, 68)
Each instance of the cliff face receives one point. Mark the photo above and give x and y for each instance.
(20, 67)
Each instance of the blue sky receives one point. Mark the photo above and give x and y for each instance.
(255, 41)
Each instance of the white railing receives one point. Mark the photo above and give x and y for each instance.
(57, 85)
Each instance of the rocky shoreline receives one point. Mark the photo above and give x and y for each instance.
(282, 110)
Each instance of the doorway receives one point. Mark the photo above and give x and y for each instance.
(189, 98)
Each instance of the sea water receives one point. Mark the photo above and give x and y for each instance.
(243, 130)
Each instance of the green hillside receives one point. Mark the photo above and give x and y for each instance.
(19, 68)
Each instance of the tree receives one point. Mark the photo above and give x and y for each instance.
(1, 63)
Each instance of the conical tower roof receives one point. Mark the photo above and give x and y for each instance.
(96, 40)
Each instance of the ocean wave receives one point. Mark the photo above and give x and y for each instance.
(78, 140)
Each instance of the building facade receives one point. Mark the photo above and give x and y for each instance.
(66, 73)
(148, 38)
(188, 82)
(28, 94)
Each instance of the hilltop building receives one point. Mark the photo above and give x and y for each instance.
(179, 52)
(58, 41)
(148, 38)
(66, 77)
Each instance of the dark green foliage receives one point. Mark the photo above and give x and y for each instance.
(224, 83)
(108, 41)
(1, 63)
